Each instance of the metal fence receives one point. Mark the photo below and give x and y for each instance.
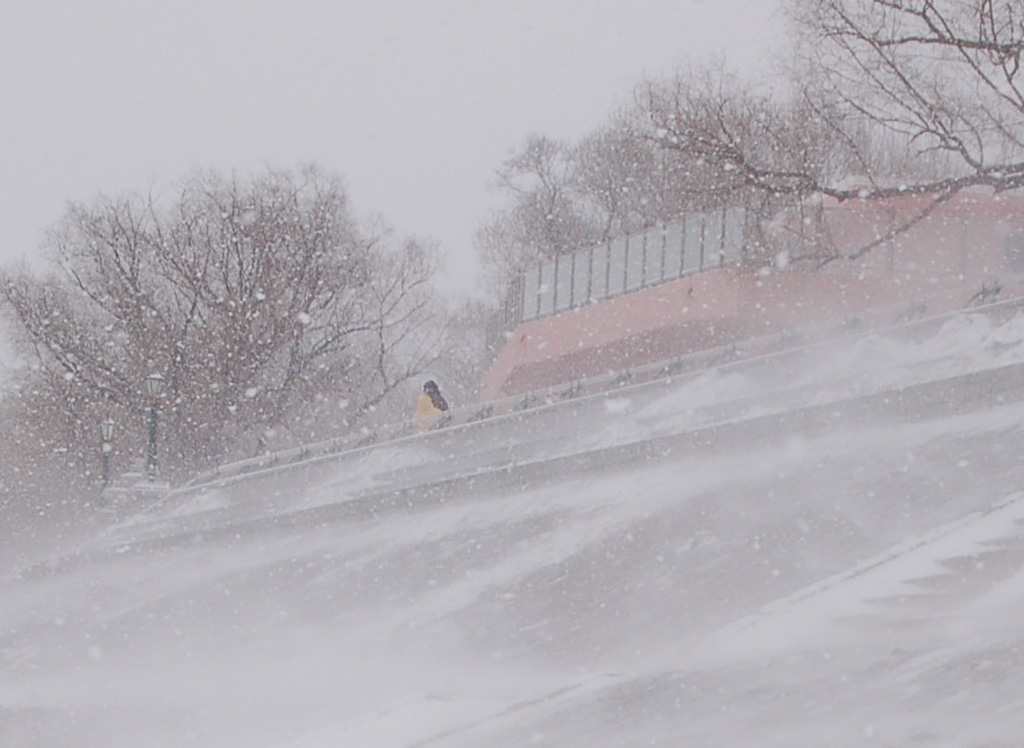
(695, 243)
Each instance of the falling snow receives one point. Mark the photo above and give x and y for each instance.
(731, 558)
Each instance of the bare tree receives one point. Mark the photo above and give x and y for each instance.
(410, 330)
(477, 337)
(943, 75)
(885, 98)
(262, 302)
(629, 183)
(935, 79)
(545, 217)
(745, 139)
(891, 97)
(926, 77)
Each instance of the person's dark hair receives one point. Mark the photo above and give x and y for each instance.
(430, 387)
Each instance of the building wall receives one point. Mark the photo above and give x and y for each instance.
(966, 235)
(612, 334)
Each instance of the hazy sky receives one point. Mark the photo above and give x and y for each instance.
(414, 102)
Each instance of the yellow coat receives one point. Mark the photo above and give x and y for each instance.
(427, 414)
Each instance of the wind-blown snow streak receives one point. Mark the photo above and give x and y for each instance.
(777, 553)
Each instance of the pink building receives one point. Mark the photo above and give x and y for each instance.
(693, 287)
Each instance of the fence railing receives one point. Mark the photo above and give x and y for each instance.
(913, 319)
(697, 242)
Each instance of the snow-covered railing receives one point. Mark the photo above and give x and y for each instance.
(910, 318)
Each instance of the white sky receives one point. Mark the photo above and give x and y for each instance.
(414, 102)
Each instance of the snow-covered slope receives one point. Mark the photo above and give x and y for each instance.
(821, 548)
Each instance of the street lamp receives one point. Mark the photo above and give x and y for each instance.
(107, 428)
(155, 388)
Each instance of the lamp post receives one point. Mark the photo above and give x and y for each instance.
(155, 388)
(108, 436)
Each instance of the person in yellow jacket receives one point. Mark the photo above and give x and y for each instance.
(430, 406)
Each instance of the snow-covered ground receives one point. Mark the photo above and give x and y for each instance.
(811, 550)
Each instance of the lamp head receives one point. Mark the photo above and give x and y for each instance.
(155, 385)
